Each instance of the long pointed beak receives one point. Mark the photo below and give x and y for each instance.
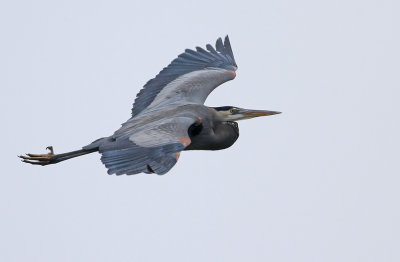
(249, 113)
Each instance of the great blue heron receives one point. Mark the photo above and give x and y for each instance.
(169, 116)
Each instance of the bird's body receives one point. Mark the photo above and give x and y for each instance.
(213, 133)
(169, 116)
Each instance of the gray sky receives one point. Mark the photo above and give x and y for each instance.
(319, 182)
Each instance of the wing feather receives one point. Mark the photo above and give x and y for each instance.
(220, 46)
(202, 51)
(205, 57)
(186, 63)
(211, 49)
(149, 149)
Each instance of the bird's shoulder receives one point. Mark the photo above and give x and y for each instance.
(158, 117)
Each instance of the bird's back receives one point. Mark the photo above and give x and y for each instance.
(157, 116)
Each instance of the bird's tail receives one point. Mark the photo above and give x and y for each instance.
(51, 158)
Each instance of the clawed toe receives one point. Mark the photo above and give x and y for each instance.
(36, 157)
(39, 162)
(39, 159)
(50, 148)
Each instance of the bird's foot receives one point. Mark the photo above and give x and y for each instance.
(39, 159)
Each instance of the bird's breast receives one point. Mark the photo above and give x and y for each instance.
(218, 136)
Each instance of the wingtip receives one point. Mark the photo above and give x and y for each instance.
(226, 41)
(228, 48)
(211, 49)
(219, 45)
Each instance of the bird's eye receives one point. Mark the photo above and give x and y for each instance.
(233, 110)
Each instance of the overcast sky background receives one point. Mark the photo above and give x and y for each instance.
(319, 182)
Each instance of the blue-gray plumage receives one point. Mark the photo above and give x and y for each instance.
(168, 116)
(189, 61)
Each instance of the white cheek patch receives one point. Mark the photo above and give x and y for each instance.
(235, 117)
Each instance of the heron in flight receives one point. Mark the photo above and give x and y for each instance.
(169, 116)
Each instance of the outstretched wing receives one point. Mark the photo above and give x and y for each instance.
(152, 149)
(190, 78)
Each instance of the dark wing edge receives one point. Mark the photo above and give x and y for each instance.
(187, 62)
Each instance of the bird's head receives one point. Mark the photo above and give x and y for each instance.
(232, 113)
